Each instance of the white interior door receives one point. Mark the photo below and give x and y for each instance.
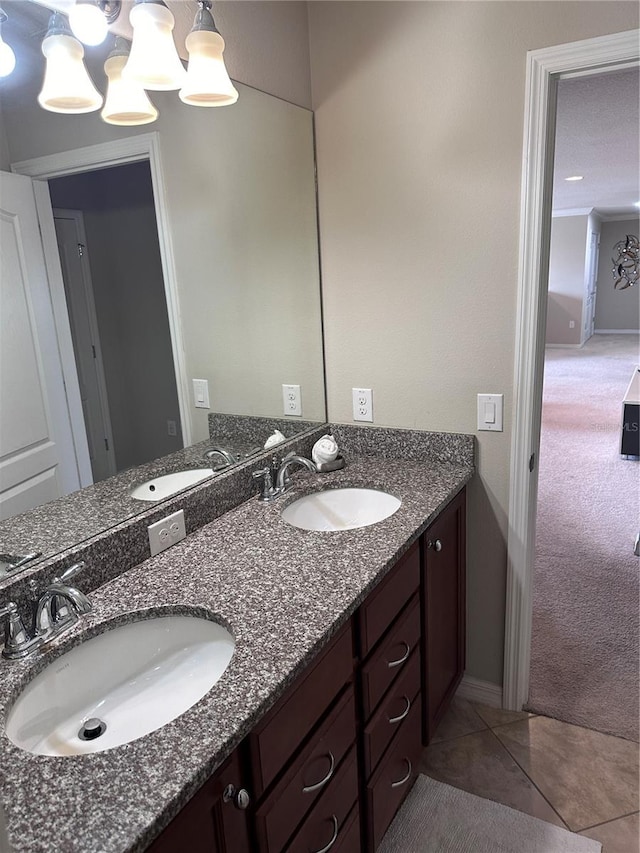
(76, 273)
(37, 456)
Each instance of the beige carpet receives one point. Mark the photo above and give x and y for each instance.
(436, 818)
(584, 661)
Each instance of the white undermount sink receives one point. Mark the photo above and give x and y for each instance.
(131, 680)
(159, 488)
(340, 509)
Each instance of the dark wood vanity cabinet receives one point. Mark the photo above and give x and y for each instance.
(210, 822)
(329, 765)
(444, 609)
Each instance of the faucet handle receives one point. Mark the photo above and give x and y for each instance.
(17, 642)
(69, 573)
(268, 492)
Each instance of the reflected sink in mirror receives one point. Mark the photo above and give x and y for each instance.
(340, 509)
(120, 685)
(163, 487)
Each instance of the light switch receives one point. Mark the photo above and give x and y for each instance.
(201, 393)
(490, 412)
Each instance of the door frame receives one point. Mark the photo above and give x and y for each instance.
(131, 149)
(77, 217)
(544, 67)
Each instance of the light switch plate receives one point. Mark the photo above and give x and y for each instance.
(166, 532)
(201, 393)
(490, 408)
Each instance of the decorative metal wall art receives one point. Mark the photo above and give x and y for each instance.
(626, 263)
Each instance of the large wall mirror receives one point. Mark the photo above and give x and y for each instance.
(186, 249)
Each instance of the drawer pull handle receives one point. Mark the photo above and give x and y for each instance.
(401, 660)
(335, 836)
(309, 788)
(435, 546)
(406, 778)
(403, 714)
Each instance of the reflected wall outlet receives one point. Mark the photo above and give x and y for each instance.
(166, 532)
(292, 400)
(362, 404)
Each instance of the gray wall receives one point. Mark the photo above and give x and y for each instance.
(616, 310)
(419, 118)
(566, 280)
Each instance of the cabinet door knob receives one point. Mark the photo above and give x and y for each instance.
(406, 778)
(335, 836)
(240, 797)
(309, 788)
(434, 545)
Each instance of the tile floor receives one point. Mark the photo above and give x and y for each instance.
(575, 778)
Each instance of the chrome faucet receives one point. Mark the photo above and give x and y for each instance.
(280, 473)
(226, 455)
(282, 480)
(57, 609)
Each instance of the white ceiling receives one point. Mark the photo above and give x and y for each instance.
(598, 136)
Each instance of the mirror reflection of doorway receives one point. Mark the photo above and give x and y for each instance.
(110, 257)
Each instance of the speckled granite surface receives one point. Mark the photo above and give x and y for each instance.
(119, 543)
(249, 431)
(283, 591)
(64, 523)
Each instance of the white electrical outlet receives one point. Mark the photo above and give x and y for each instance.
(166, 532)
(201, 393)
(292, 400)
(362, 404)
(171, 428)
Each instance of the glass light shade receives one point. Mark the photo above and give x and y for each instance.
(7, 59)
(154, 62)
(88, 22)
(208, 83)
(67, 87)
(127, 103)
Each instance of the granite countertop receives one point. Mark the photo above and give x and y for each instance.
(283, 592)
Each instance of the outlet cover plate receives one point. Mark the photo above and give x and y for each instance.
(166, 532)
(362, 404)
(292, 400)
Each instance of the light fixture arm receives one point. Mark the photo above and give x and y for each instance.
(110, 9)
(204, 19)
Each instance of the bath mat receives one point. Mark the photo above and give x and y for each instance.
(436, 818)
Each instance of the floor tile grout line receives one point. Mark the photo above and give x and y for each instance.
(515, 760)
(605, 822)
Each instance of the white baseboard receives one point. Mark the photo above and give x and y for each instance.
(484, 692)
(616, 332)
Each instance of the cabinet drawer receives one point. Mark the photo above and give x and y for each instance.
(390, 658)
(388, 599)
(348, 840)
(309, 776)
(328, 818)
(393, 710)
(290, 721)
(394, 777)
